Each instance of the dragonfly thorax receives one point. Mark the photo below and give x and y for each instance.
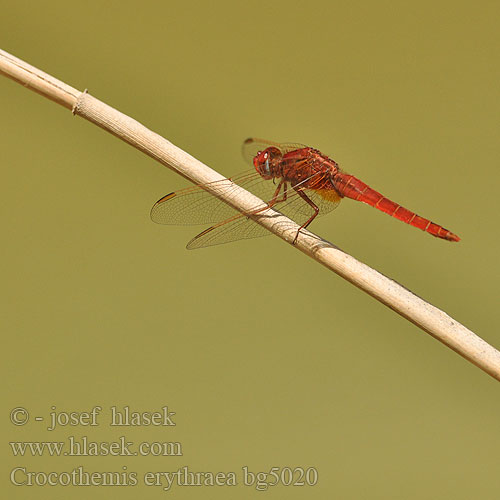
(268, 162)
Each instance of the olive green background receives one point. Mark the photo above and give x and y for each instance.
(267, 358)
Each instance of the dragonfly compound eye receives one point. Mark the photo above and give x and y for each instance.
(265, 162)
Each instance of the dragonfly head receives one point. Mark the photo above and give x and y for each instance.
(267, 162)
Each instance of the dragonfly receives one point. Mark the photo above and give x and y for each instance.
(295, 180)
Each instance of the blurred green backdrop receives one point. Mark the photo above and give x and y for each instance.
(268, 359)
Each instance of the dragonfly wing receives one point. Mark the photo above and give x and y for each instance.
(253, 145)
(241, 227)
(237, 228)
(196, 205)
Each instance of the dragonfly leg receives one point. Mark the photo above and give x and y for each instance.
(274, 199)
(308, 200)
(284, 194)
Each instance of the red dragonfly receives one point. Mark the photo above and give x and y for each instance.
(298, 181)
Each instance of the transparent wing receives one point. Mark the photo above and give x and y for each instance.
(237, 228)
(196, 205)
(253, 145)
(241, 227)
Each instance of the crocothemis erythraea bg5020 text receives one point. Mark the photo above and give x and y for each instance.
(298, 181)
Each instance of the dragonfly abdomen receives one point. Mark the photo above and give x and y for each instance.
(351, 187)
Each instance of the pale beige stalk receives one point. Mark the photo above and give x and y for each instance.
(421, 313)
